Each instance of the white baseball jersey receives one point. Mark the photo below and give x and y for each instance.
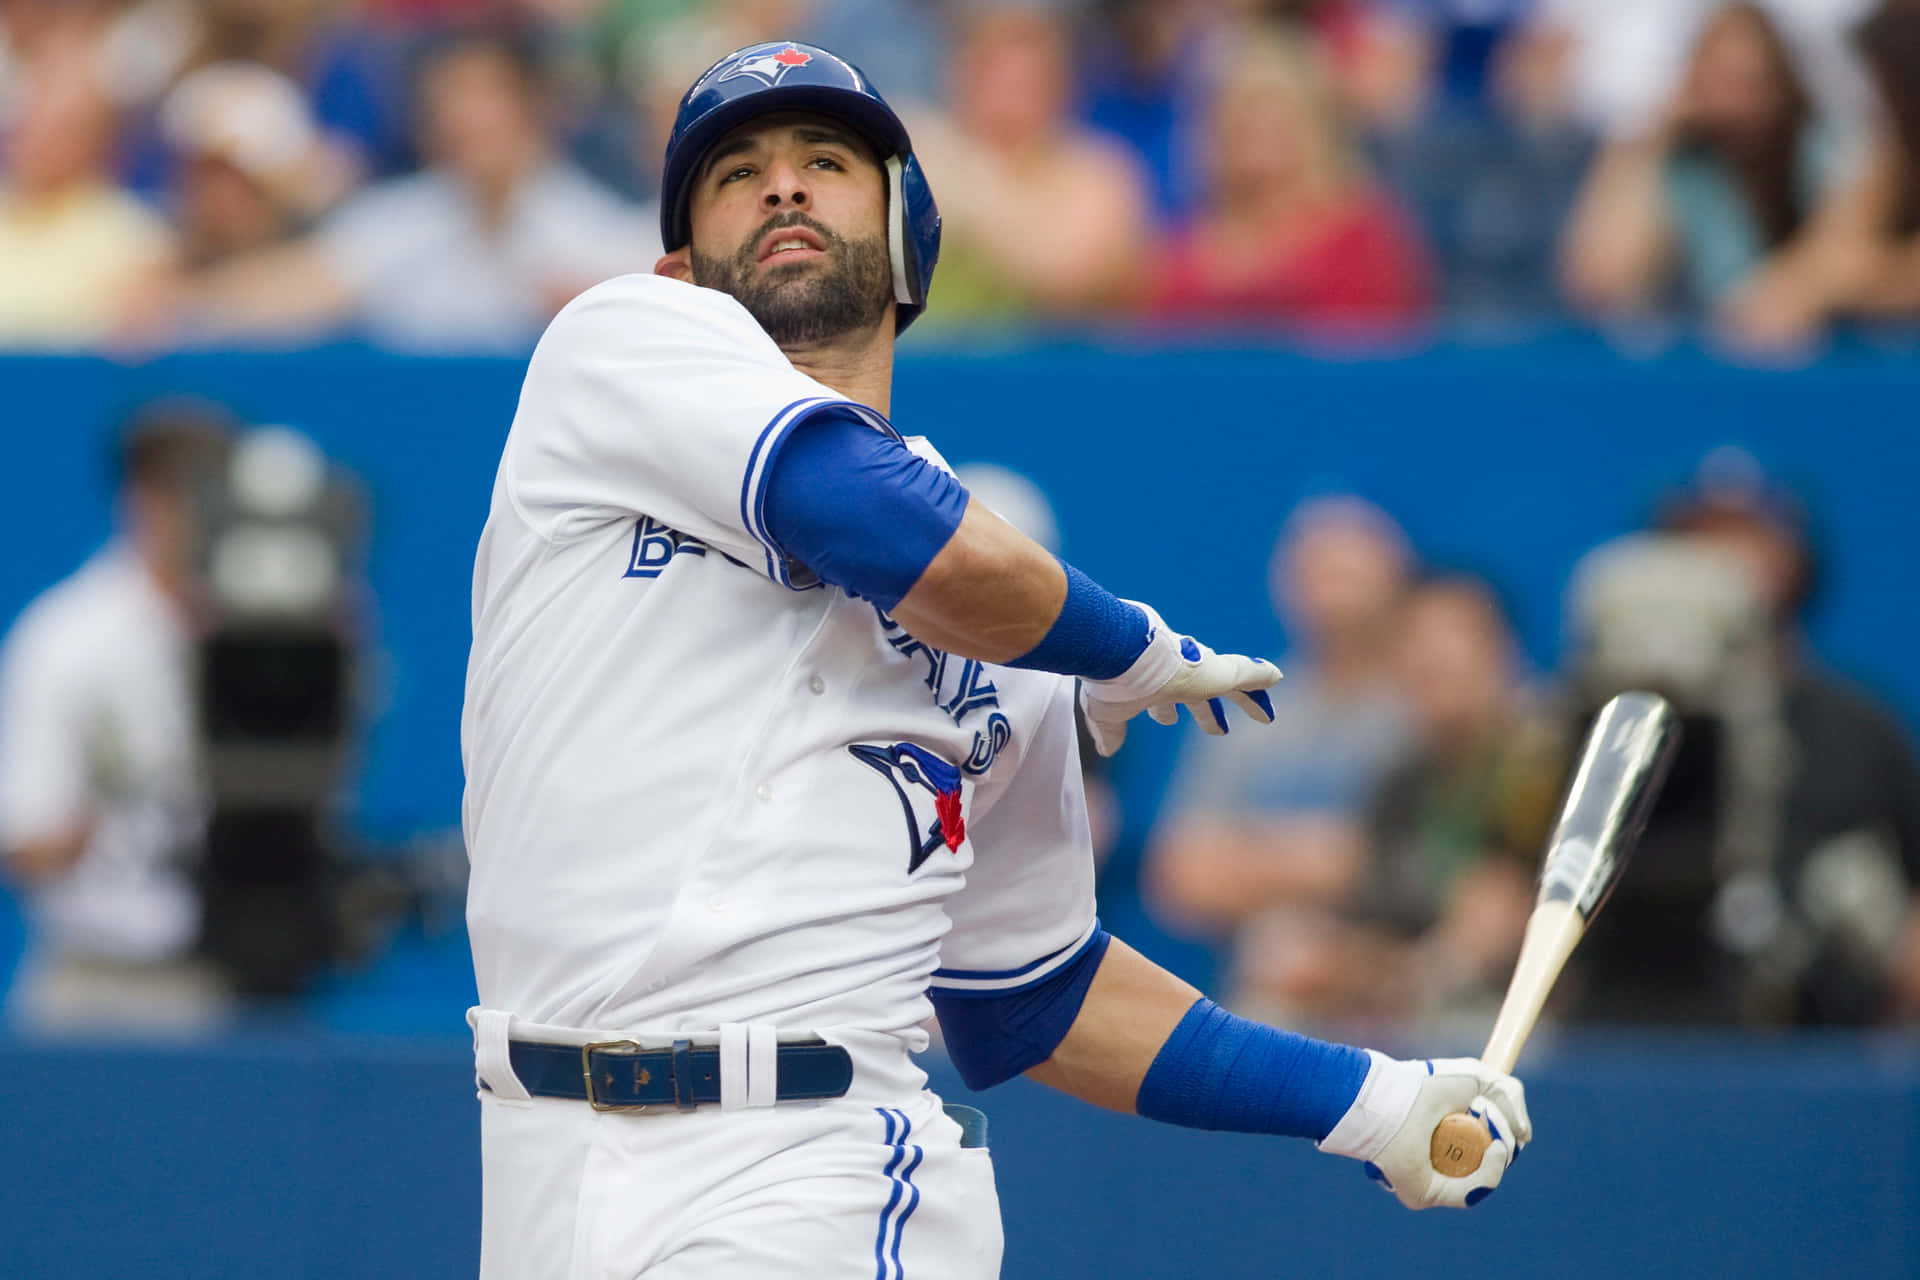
(702, 787)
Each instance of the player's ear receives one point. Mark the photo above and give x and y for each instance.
(678, 265)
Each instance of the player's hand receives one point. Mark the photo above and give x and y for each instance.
(1390, 1126)
(1176, 671)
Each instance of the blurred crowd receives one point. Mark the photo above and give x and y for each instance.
(1375, 859)
(178, 718)
(444, 174)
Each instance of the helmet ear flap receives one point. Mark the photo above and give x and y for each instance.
(904, 281)
(913, 223)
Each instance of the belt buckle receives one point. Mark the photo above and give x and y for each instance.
(586, 1072)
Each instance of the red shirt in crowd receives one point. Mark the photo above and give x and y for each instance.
(1358, 266)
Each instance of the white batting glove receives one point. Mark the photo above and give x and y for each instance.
(1173, 672)
(1390, 1126)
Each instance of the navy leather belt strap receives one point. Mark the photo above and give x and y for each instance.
(618, 1075)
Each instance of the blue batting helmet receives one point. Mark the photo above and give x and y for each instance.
(786, 76)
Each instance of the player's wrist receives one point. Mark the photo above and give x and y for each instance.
(1382, 1105)
(1096, 635)
(1218, 1071)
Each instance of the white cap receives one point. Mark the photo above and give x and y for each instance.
(247, 114)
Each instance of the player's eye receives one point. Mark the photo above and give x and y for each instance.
(828, 161)
(738, 171)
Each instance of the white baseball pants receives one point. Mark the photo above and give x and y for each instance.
(839, 1190)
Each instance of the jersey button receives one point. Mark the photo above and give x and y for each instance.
(817, 685)
(764, 792)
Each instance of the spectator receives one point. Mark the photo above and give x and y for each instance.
(1434, 924)
(624, 66)
(1043, 217)
(1617, 64)
(1257, 820)
(657, 63)
(72, 244)
(1689, 209)
(1145, 80)
(898, 43)
(345, 66)
(1489, 165)
(1850, 816)
(1777, 876)
(475, 253)
(136, 48)
(99, 803)
(348, 68)
(1464, 43)
(1377, 53)
(1292, 231)
(1860, 253)
(251, 166)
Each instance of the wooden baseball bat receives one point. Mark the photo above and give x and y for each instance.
(1622, 766)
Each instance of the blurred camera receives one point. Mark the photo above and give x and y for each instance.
(280, 546)
(1683, 617)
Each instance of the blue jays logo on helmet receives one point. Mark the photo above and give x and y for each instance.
(789, 76)
(767, 67)
(907, 764)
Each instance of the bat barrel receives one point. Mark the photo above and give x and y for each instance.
(1625, 760)
(1627, 755)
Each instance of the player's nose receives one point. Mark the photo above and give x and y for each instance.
(786, 186)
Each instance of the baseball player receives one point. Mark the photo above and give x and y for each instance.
(770, 751)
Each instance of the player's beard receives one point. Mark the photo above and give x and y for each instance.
(805, 303)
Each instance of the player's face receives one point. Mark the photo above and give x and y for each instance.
(789, 216)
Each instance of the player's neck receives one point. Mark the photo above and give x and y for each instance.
(858, 366)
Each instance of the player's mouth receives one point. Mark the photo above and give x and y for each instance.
(790, 244)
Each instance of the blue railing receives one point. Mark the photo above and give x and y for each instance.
(340, 1159)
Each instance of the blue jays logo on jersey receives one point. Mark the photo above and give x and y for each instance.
(961, 689)
(904, 764)
(768, 67)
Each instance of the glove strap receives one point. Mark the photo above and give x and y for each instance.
(1386, 1097)
(1150, 672)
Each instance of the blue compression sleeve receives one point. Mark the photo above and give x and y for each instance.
(1217, 1071)
(858, 507)
(993, 1036)
(1097, 635)
(868, 515)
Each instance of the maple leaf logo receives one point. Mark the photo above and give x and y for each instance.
(769, 67)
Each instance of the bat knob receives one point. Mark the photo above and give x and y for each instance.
(1459, 1143)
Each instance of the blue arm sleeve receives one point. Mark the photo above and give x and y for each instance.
(858, 507)
(869, 515)
(994, 1036)
(1096, 635)
(1217, 1071)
